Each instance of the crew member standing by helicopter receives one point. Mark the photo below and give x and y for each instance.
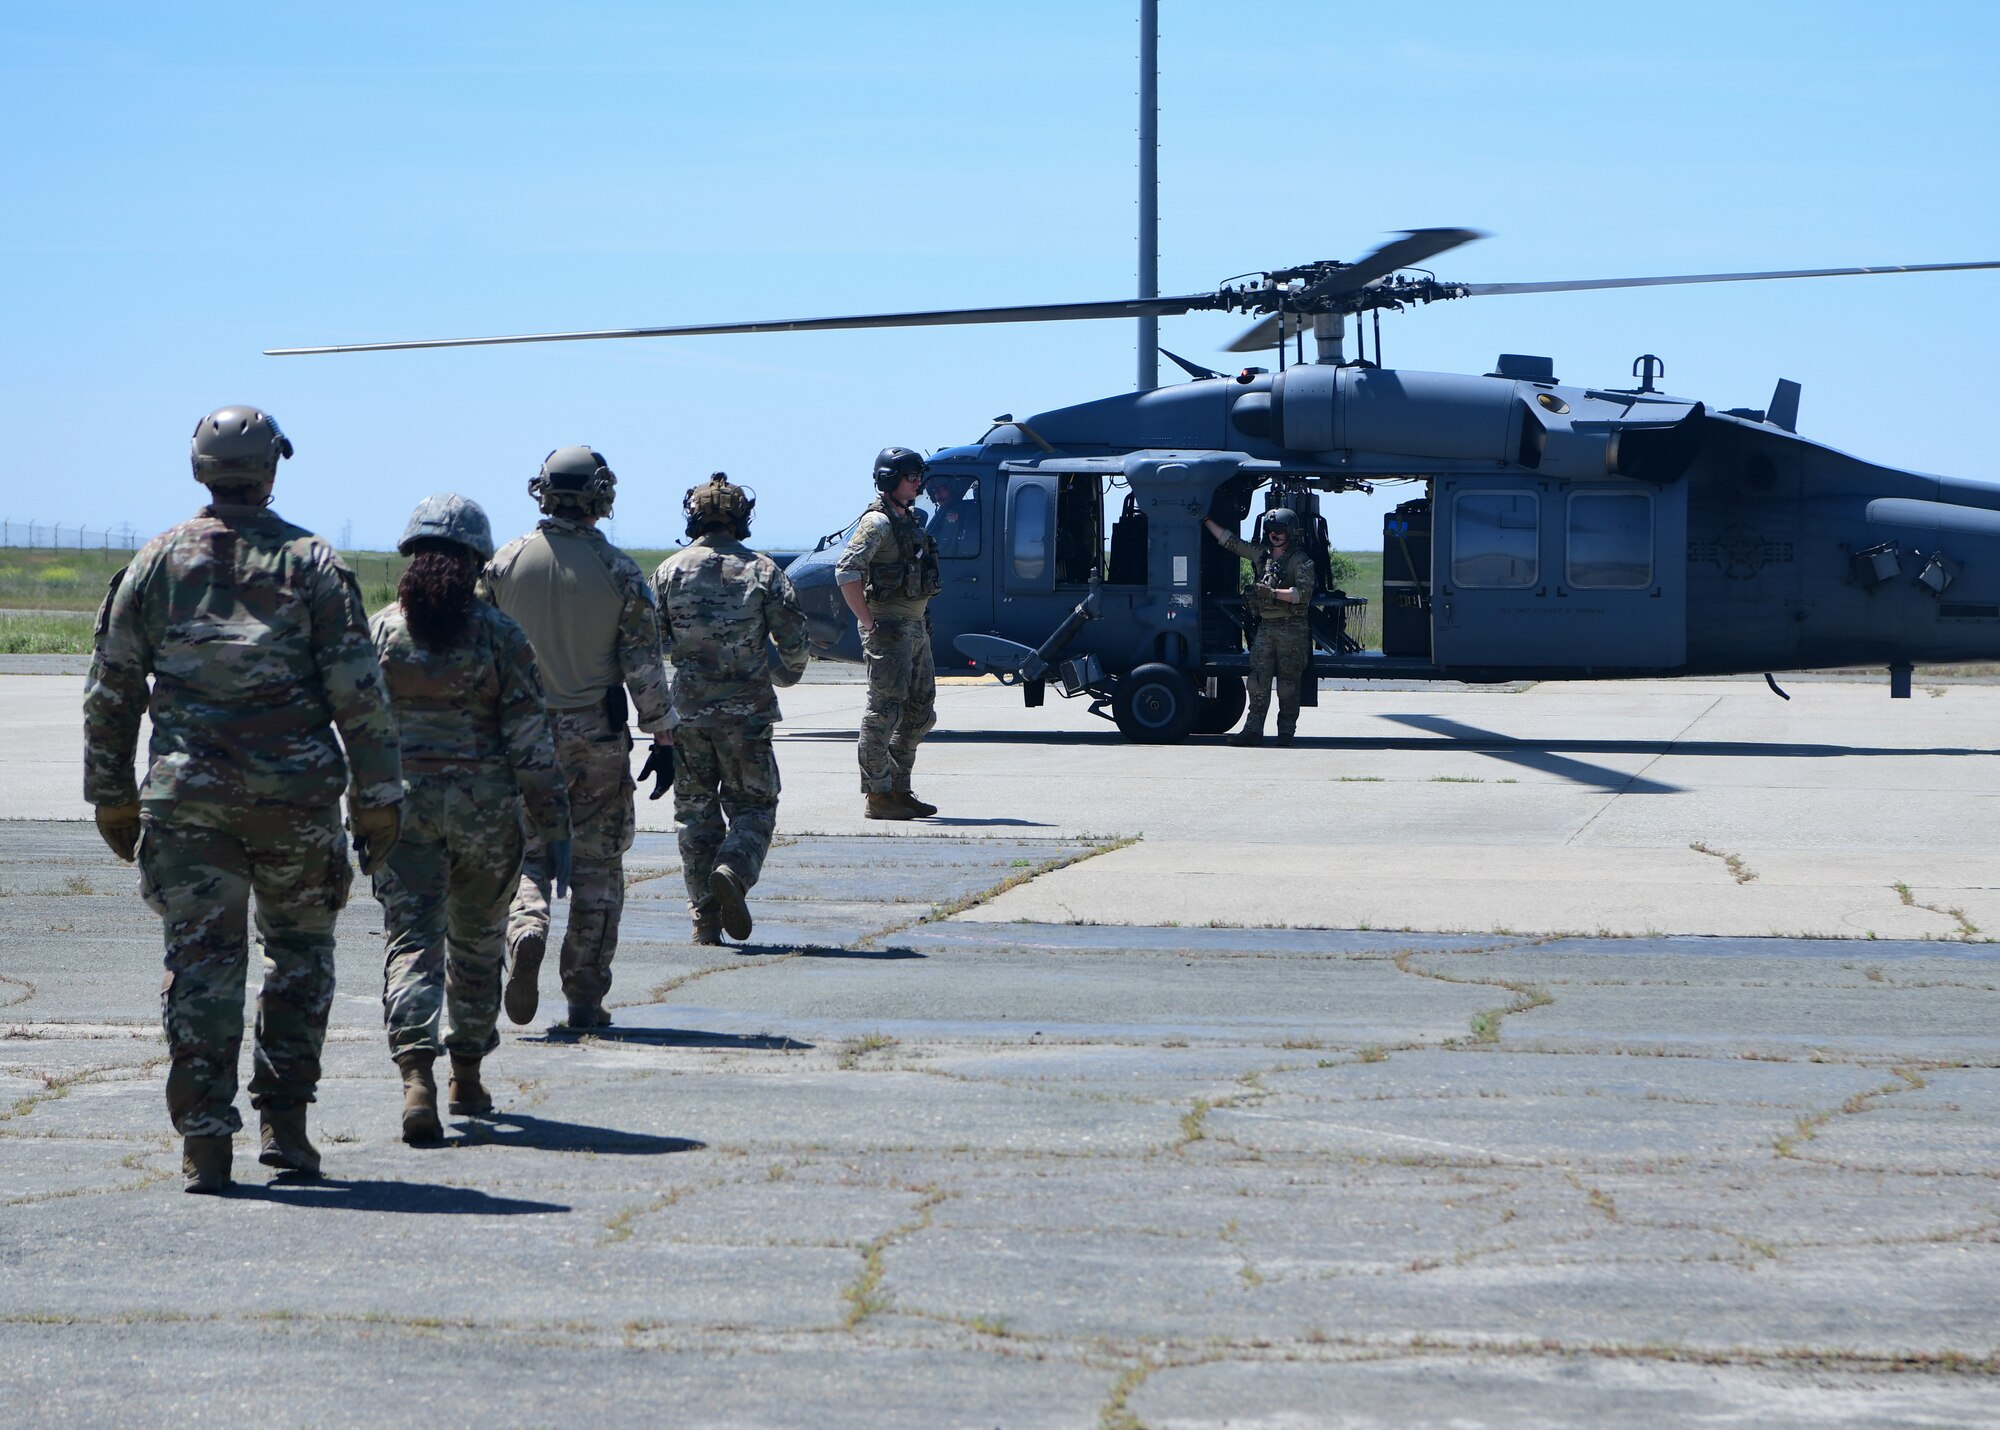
(887, 576)
(1281, 598)
(591, 617)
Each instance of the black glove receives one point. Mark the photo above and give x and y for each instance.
(660, 765)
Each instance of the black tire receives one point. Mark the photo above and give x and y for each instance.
(1217, 714)
(1154, 705)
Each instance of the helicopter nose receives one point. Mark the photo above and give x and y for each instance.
(829, 624)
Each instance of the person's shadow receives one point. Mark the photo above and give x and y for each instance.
(417, 1198)
(520, 1129)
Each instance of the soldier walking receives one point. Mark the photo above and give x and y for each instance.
(887, 575)
(1281, 598)
(256, 641)
(734, 628)
(589, 614)
(476, 748)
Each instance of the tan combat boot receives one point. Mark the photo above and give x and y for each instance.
(923, 809)
(707, 927)
(725, 886)
(888, 806)
(205, 1165)
(286, 1145)
(420, 1098)
(524, 973)
(469, 1097)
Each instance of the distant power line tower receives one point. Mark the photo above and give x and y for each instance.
(347, 535)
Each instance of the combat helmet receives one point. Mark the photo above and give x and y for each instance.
(1284, 519)
(892, 464)
(718, 502)
(237, 446)
(574, 476)
(449, 517)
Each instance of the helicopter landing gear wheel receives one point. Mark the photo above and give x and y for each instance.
(1154, 705)
(1217, 713)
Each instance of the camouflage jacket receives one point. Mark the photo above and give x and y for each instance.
(589, 614)
(1293, 570)
(256, 640)
(475, 707)
(726, 607)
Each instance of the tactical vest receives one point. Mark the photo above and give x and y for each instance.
(913, 575)
(1276, 574)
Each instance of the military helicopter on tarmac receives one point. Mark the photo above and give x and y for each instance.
(1555, 531)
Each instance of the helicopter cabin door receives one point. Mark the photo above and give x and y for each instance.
(1540, 573)
(1051, 545)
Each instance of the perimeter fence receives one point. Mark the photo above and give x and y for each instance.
(54, 536)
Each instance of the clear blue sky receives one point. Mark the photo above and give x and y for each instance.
(188, 184)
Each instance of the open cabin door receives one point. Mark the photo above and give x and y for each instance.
(1538, 573)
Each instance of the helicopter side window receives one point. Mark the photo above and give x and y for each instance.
(1495, 539)
(1031, 532)
(1611, 540)
(954, 520)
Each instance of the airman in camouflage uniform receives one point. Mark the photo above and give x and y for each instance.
(589, 613)
(1281, 598)
(476, 745)
(735, 628)
(256, 641)
(887, 575)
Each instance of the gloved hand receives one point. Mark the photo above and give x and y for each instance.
(375, 833)
(660, 765)
(559, 865)
(1261, 593)
(119, 824)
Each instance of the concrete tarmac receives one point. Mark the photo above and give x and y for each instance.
(1422, 1074)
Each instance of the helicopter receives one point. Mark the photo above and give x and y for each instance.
(1556, 531)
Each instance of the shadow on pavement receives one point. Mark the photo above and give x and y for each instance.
(518, 1129)
(420, 1198)
(678, 1038)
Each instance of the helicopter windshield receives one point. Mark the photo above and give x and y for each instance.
(951, 514)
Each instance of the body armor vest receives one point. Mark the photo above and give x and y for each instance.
(913, 575)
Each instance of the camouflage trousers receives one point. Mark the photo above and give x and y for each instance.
(198, 870)
(902, 702)
(725, 802)
(444, 894)
(1280, 653)
(596, 763)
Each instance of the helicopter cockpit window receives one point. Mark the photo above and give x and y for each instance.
(954, 518)
(1611, 540)
(1031, 532)
(1495, 539)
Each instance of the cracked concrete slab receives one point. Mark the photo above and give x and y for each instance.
(908, 1160)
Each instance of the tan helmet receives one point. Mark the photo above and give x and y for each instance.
(718, 502)
(574, 476)
(237, 446)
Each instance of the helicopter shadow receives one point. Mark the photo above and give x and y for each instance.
(1106, 737)
(413, 1198)
(676, 1038)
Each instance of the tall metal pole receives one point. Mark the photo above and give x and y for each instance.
(1149, 186)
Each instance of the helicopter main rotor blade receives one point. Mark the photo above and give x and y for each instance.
(1416, 245)
(1580, 284)
(1034, 313)
(1264, 333)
